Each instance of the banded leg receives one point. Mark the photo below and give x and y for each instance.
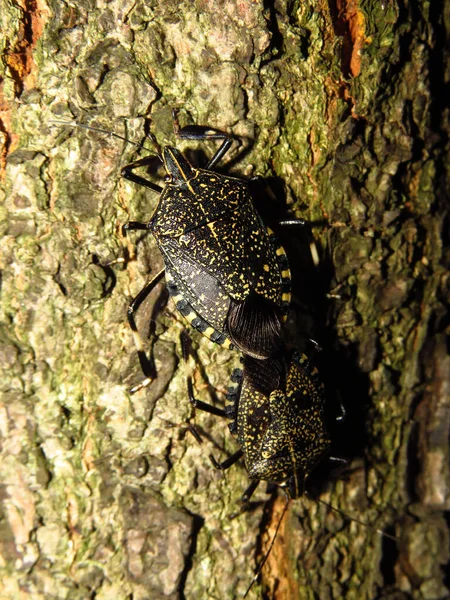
(134, 226)
(226, 464)
(209, 408)
(249, 491)
(146, 366)
(231, 460)
(267, 188)
(312, 243)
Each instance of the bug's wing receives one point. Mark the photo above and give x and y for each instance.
(222, 296)
(199, 289)
(231, 274)
(254, 326)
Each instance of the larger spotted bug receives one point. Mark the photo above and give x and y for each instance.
(225, 270)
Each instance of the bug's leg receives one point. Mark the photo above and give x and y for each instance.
(133, 226)
(316, 347)
(127, 172)
(342, 414)
(312, 243)
(249, 491)
(220, 412)
(226, 464)
(199, 132)
(209, 408)
(246, 497)
(339, 461)
(134, 305)
(212, 410)
(130, 226)
(293, 222)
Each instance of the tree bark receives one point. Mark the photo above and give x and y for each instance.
(342, 106)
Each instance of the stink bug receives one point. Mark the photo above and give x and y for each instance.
(224, 268)
(227, 273)
(276, 409)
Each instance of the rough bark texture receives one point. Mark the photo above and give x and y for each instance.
(343, 104)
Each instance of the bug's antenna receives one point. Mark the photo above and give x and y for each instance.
(338, 510)
(109, 133)
(266, 556)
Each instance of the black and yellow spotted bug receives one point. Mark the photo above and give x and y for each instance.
(225, 270)
(276, 410)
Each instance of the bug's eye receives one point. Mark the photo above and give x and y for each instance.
(168, 178)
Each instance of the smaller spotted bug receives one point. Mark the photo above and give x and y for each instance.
(277, 408)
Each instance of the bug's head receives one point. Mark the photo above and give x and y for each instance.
(179, 171)
(289, 467)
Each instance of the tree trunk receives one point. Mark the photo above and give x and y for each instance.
(342, 106)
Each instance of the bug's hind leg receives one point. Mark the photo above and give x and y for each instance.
(146, 366)
(134, 226)
(245, 498)
(228, 413)
(213, 410)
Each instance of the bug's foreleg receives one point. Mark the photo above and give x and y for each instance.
(226, 464)
(128, 173)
